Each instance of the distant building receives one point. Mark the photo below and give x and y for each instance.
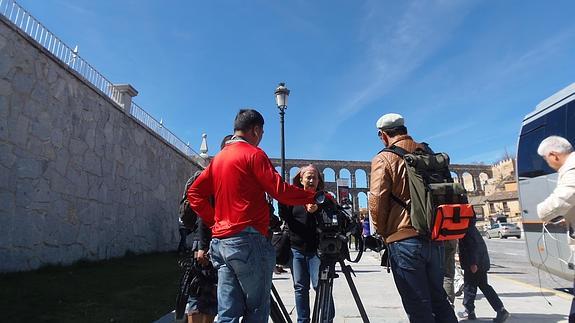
(501, 197)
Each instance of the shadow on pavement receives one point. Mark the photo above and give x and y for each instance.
(529, 294)
(508, 272)
(523, 317)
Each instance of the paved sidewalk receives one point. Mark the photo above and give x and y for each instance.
(383, 304)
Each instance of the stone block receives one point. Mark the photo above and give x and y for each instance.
(92, 163)
(41, 93)
(52, 74)
(57, 137)
(109, 132)
(7, 157)
(60, 163)
(77, 147)
(7, 179)
(107, 167)
(5, 88)
(22, 82)
(41, 193)
(3, 41)
(27, 228)
(76, 175)
(4, 107)
(61, 184)
(59, 90)
(40, 130)
(24, 193)
(30, 108)
(41, 68)
(91, 137)
(18, 131)
(6, 66)
(30, 168)
(7, 207)
(4, 129)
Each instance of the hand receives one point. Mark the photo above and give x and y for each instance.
(473, 268)
(311, 207)
(202, 257)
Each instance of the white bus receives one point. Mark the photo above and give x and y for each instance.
(553, 116)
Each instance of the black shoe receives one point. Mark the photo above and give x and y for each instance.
(467, 315)
(502, 316)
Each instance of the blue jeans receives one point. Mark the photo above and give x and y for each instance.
(245, 265)
(305, 269)
(417, 266)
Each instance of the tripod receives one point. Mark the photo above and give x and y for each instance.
(323, 297)
(278, 312)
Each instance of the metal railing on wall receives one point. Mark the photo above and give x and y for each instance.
(33, 28)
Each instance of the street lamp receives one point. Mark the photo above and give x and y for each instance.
(282, 94)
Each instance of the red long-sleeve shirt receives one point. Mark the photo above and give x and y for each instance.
(238, 178)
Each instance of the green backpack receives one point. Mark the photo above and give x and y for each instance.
(438, 207)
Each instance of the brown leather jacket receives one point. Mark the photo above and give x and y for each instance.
(389, 176)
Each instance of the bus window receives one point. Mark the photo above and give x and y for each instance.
(529, 163)
(570, 120)
(555, 122)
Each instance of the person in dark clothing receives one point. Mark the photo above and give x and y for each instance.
(302, 224)
(202, 304)
(474, 260)
(184, 232)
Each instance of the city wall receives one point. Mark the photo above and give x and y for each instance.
(80, 179)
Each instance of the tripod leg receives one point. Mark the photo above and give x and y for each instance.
(322, 309)
(322, 296)
(326, 308)
(275, 312)
(346, 269)
(280, 304)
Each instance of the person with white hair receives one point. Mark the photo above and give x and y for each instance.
(559, 155)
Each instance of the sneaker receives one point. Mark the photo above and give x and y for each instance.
(467, 315)
(502, 316)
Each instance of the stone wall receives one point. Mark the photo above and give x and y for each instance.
(79, 178)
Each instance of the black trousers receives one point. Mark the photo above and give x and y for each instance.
(471, 282)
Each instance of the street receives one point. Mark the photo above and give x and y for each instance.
(509, 259)
(511, 276)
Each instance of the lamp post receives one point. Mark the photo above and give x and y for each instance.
(282, 94)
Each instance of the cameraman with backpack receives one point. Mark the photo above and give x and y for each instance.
(202, 303)
(416, 261)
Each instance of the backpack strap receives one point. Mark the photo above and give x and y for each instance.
(396, 150)
(401, 153)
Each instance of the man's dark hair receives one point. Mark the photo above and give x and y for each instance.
(246, 119)
(396, 131)
(226, 138)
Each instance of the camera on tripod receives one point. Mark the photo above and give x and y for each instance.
(335, 225)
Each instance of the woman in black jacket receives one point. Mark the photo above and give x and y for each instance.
(302, 224)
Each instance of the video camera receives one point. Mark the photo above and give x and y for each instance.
(335, 225)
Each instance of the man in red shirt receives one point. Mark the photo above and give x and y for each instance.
(238, 177)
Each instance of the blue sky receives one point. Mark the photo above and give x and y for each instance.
(462, 73)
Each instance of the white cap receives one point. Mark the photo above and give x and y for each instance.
(390, 120)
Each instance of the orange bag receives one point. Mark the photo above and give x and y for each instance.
(451, 221)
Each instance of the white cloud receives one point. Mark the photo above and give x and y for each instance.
(398, 39)
(451, 131)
